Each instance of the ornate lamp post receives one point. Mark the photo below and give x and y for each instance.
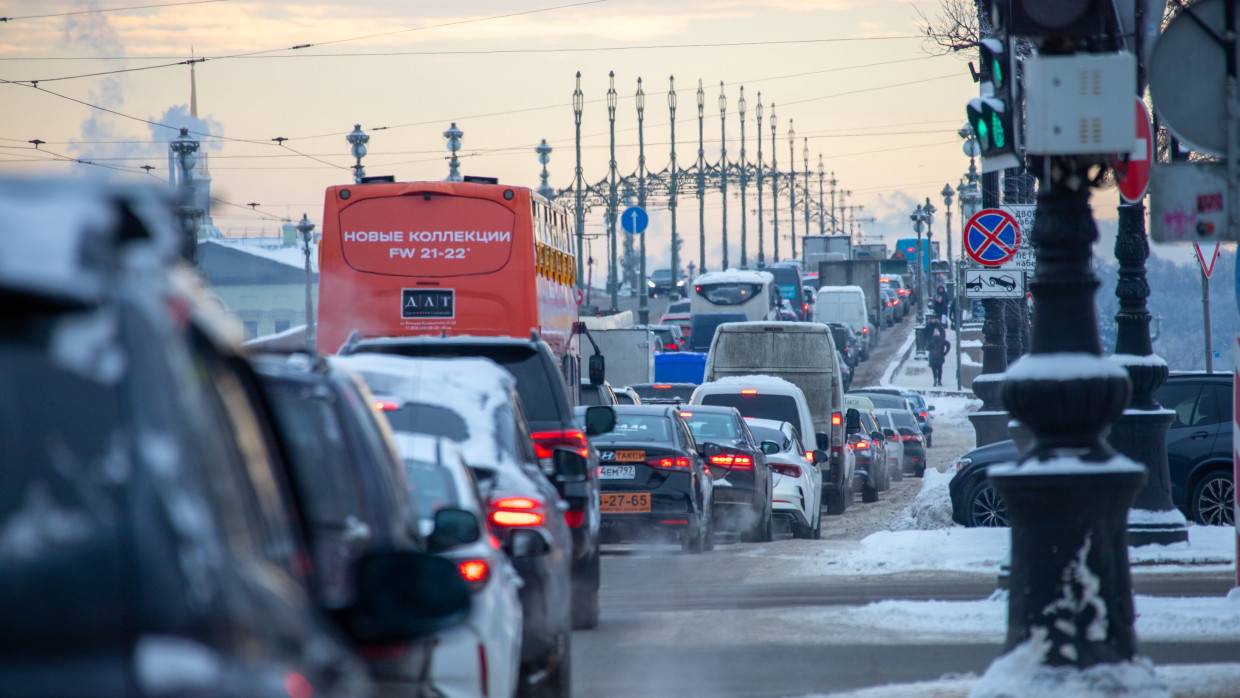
(579, 186)
(928, 210)
(723, 167)
(919, 218)
(743, 168)
(454, 134)
(613, 270)
(185, 150)
(947, 193)
(358, 139)
(643, 291)
(674, 172)
(822, 219)
(305, 227)
(701, 177)
(805, 160)
(792, 189)
(761, 215)
(544, 157)
(834, 221)
(774, 188)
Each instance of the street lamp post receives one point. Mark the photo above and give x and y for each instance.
(358, 139)
(774, 189)
(306, 228)
(744, 176)
(805, 160)
(918, 218)
(671, 195)
(928, 210)
(723, 167)
(454, 134)
(186, 151)
(947, 193)
(643, 310)
(822, 219)
(792, 190)
(761, 222)
(544, 157)
(579, 188)
(701, 177)
(613, 271)
(834, 221)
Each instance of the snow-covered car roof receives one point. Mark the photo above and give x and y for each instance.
(763, 383)
(782, 325)
(471, 387)
(734, 276)
(837, 289)
(776, 424)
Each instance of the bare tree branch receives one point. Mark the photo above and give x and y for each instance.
(954, 29)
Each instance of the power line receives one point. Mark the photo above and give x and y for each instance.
(108, 9)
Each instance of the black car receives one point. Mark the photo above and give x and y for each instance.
(670, 337)
(1199, 453)
(660, 283)
(846, 342)
(744, 505)
(664, 393)
(909, 434)
(895, 399)
(149, 515)
(702, 329)
(655, 481)
(546, 401)
(601, 394)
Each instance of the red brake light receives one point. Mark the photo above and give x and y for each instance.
(546, 441)
(386, 406)
(910, 438)
(865, 330)
(298, 686)
(517, 511)
(686, 415)
(474, 572)
(859, 445)
(670, 463)
(805, 307)
(809, 456)
(924, 414)
(671, 346)
(749, 391)
(737, 461)
(575, 518)
(786, 469)
(662, 386)
(836, 419)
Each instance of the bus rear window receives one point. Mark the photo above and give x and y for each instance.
(426, 235)
(728, 293)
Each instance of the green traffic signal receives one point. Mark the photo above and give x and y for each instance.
(983, 134)
(999, 138)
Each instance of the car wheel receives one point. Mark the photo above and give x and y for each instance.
(929, 440)
(768, 529)
(555, 677)
(1213, 500)
(920, 472)
(837, 500)
(709, 543)
(896, 472)
(985, 507)
(585, 595)
(869, 494)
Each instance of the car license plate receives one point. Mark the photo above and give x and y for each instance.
(617, 472)
(625, 503)
(630, 456)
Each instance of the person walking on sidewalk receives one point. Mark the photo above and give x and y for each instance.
(937, 347)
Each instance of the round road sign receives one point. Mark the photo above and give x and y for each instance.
(634, 220)
(992, 237)
(1134, 173)
(1192, 101)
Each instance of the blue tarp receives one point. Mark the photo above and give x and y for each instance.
(679, 367)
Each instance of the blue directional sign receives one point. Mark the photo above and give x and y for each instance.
(992, 237)
(634, 220)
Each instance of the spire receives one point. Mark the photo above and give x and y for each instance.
(193, 87)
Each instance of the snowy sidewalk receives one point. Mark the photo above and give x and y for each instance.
(909, 371)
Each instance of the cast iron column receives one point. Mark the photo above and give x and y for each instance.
(701, 178)
(761, 223)
(774, 188)
(1070, 593)
(743, 170)
(613, 267)
(643, 288)
(990, 422)
(672, 192)
(723, 168)
(792, 190)
(579, 211)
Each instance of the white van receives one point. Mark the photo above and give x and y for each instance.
(845, 305)
(803, 354)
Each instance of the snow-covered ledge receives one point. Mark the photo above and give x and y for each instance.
(1063, 366)
(1153, 360)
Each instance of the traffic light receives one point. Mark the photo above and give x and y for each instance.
(995, 116)
(1037, 19)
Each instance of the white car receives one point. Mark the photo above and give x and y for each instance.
(796, 494)
(895, 446)
(482, 657)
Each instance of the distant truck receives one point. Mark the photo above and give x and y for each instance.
(820, 248)
(865, 273)
(629, 351)
(907, 248)
(870, 250)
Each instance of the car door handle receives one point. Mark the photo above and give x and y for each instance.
(1199, 435)
(355, 530)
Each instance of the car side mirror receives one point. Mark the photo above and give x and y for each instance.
(820, 456)
(822, 441)
(402, 596)
(597, 369)
(770, 447)
(453, 527)
(525, 542)
(889, 433)
(600, 419)
(876, 435)
(570, 466)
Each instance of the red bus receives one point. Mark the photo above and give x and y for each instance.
(418, 258)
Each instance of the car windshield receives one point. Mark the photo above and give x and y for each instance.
(767, 434)
(661, 274)
(432, 485)
(711, 426)
(638, 427)
(903, 419)
(433, 420)
(781, 408)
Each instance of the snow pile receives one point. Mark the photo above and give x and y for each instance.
(1067, 465)
(953, 409)
(734, 276)
(1021, 673)
(1064, 366)
(932, 507)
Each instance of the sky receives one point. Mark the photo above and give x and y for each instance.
(853, 76)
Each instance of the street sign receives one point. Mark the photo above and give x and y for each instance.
(634, 220)
(1188, 202)
(994, 283)
(1134, 174)
(991, 237)
(1207, 269)
(1024, 215)
(1192, 101)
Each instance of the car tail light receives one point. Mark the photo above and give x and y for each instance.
(809, 456)
(512, 512)
(738, 461)
(837, 433)
(910, 438)
(386, 406)
(865, 330)
(296, 685)
(805, 307)
(836, 419)
(575, 518)
(860, 445)
(670, 462)
(671, 346)
(924, 414)
(475, 573)
(674, 522)
(786, 469)
(546, 441)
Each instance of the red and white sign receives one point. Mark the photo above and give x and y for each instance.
(1133, 174)
(991, 237)
(1207, 269)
